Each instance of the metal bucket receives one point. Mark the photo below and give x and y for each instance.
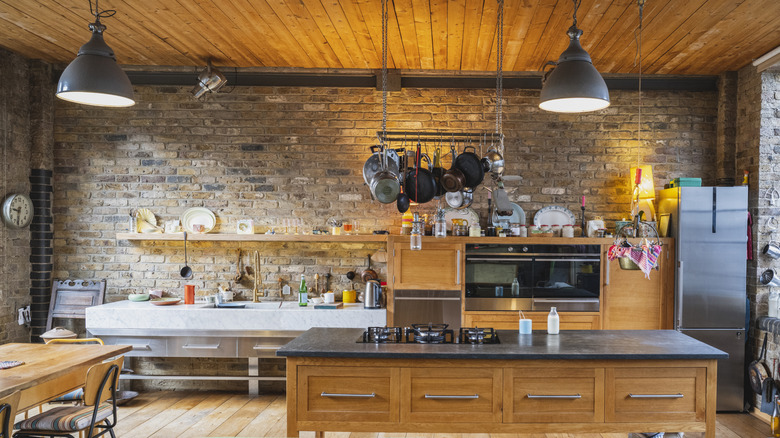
(769, 278)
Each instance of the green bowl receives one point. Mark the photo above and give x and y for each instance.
(138, 297)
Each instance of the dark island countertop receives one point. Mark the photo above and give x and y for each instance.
(569, 344)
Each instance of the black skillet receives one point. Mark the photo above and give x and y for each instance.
(471, 166)
(419, 184)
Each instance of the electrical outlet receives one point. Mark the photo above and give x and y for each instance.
(286, 289)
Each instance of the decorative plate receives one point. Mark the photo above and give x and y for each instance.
(198, 216)
(464, 213)
(517, 216)
(167, 301)
(554, 215)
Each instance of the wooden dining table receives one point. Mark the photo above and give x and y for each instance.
(50, 371)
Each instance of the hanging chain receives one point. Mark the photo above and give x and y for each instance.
(384, 72)
(98, 13)
(641, 4)
(500, 75)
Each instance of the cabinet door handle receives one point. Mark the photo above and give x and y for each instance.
(607, 273)
(452, 397)
(336, 394)
(145, 347)
(201, 346)
(266, 347)
(457, 269)
(563, 397)
(678, 395)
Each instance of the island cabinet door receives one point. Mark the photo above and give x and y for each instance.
(437, 266)
(553, 395)
(659, 394)
(444, 395)
(348, 394)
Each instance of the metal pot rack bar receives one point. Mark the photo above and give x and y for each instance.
(429, 136)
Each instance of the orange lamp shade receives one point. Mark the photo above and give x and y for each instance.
(646, 186)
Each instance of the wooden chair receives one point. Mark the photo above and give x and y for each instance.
(8, 406)
(77, 395)
(70, 299)
(99, 400)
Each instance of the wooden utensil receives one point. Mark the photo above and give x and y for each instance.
(239, 275)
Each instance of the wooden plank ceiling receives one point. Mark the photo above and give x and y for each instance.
(679, 37)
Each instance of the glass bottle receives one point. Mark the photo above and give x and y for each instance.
(775, 423)
(553, 322)
(515, 288)
(303, 293)
(440, 225)
(774, 301)
(415, 241)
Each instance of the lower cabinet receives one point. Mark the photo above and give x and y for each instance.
(508, 320)
(501, 396)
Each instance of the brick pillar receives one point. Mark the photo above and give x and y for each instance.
(41, 249)
(727, 128)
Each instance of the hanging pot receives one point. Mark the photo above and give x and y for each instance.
(460, 199)
(468, 162)
(373, 164)
(453, 180)
(495, 162)
(420, 186)
(385, 187)
(438, 173)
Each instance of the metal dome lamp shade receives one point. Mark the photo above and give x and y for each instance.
(573, 85)
(209, 79)
(94, 77)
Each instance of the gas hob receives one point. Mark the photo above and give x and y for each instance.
(429, 334)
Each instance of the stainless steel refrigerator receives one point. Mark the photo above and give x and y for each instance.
(709, 225)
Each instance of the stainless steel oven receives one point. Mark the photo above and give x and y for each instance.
(562, 276)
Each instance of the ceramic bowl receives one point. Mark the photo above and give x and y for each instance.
(316, 300)
(138, 297)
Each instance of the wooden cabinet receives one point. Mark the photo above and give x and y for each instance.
(451, 394)
(632, 302)
(655, 394)
(438, 266)
(508, 320)
(554, 395)
(347, 393)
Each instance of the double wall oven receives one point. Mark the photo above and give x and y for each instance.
(564, 276)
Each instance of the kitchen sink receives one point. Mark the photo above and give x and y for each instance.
(261, 305)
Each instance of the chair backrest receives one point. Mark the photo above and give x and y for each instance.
(8, 406)
(101, 381)
(70, 298)
(76, 341)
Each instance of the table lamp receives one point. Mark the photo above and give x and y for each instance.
(644, 191)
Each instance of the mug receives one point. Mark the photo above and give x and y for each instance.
(329, 297)
(226, 295)
(349, 296)
(525, 326)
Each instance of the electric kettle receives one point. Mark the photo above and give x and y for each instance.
(372, 299)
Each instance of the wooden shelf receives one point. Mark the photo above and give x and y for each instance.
(216, 237)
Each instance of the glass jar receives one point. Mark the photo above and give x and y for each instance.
(475, 230)
(523, 231)
(567, 231)
(515, 228)
(556, 230)
(415, 241)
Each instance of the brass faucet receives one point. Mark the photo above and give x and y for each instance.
(257, 292)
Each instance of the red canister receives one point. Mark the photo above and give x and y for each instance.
(189, 294)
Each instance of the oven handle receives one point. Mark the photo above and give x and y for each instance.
(427, 298)
(530, 259)
(566, 260)
(565, 300)
(533, 254)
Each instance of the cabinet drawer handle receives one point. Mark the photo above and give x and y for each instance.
(266, 347)
(563, 397)
(452, 397)
(678, 395)
(145, 347)
(201, 346)
(457, 269)
(332, 394)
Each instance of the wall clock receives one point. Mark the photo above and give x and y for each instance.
(17, 210)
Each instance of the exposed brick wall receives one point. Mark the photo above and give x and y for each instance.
(15, 159)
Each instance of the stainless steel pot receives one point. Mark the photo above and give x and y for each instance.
(373, 164)
(769, 278)
(459, 200)
(385, 186)
(496, 161)
(772, 249)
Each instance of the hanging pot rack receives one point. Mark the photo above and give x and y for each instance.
(428, 136)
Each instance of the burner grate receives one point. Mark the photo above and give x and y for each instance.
(430, 334)
(383, 335)
(478, 335)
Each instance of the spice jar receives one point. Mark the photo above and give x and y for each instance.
(523, 231)
(556, 230)
(515, 228)
(567, 231)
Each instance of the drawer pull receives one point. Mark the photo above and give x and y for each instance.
(201, 346)
(452, 397)
(563, 397)
(266, 347)
(145, 347)
(332, 394)
(678, 395)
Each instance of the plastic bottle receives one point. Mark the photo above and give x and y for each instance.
(303, 294)
(553, 322)
(406, 222)
(775, 423)
(515, 288)
(774, 301)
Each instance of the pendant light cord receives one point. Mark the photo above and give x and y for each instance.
(98, 13)
(500, 76)
(641, 4)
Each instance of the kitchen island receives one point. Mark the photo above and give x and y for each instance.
(576, 382)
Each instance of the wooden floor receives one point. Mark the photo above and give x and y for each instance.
(169, 414)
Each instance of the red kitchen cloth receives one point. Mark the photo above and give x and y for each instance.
(9, 364)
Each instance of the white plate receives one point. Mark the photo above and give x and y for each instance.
(465, 213)
(517, 216)
(198, 215)
(554, 215)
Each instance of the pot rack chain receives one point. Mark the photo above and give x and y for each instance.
(384, 71)
(500, 75)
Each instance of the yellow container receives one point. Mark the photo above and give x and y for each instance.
(348, 296)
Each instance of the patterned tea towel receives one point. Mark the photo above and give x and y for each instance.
(4, 364)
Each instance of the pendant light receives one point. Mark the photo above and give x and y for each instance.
(94, 77)
(573, 85)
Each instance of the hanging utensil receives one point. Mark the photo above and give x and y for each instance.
(469, 163)
(438, 172)
(239, 275)
(453, 179)
(186, 271)
(368, 273)
(419, 184)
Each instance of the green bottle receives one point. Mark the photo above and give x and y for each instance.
(303, 296)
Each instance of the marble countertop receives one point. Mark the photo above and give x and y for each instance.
(569, 344)
(124, 315)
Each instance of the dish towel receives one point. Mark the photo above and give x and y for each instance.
(5, 364)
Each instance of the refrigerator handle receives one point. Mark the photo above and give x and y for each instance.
(678, 302)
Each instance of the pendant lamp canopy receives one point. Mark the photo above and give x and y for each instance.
(573, 85)
(94, 77)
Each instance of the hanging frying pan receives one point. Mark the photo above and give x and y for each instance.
(420, 186)
(469, 163)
